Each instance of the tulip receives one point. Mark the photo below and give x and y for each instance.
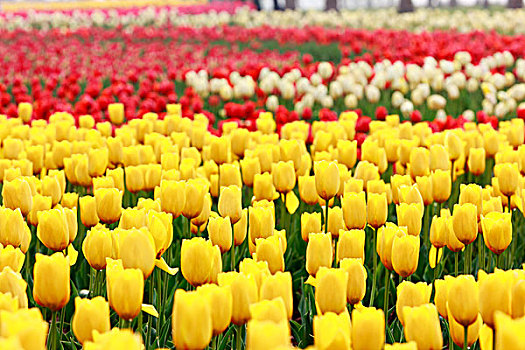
(40, 203)
(453, 145)
(441, 296)
(441, 185)
(353, 185)
(263, 187)
(497, 231)
(51, 293)
(196, 260)
(354, 210)
(347, 152)
(495, 292)
(422, 326)
(411, 294)
(230, 203)
(397, 181)
(457, 332)
(192, 325)
(278, 285)
(439, 231)
(471, 194)
(518, 299)
(116, 113)
(196, 190)
(17, 194)
(25, 328)
(412, 345)
(332, 331)
(377, 209)
(240, 228)
(335, 221)
(90, 315)
(220, 149)
(230, 174)
(12, 257)
(270, 250)
(405, 254)
(307, 190)
(330, 290)
(283, 175)
(465, 222)
(244, 293)
(262, 335)
(98, 245)
(134, 179)
(385, 240)
(172, 197)
(220, 300)
(326, 179)
(366, 171)
(318, 252)
(262, 223)
(8, 302)
(88, 211)
(125, 289)
(424, 184)
(72, 224)
(137, 250)
(290, 150)
(351, 244)
(132, 218)
(53, 230)
(12, 282)
(410, 215)
(419, 162)
(310, 223)
(25, 110)
(269, 310)
(109, 204)
(476, 161)
(368, 328)
(220, 232)
(69, 200)
(509, 332)
(250, 168)
(463, 300)
(356, 287)
(12, 227)
(115, 339)
(507, 175)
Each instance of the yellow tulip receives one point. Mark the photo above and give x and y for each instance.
(137, 250)
(419, 162)
(326, 179)
(463, 299)
(220, 149)
(307, 190)
(270, 250)
(397, 181)
(12, 227)
(25, 326)
(356, 287)
(40, 203)
(278, 285)
(332, 331)
(262, 223)
(230, 203)
(518, 299)
(497, 231)
(25, 111)
(262, 335)
(318, 252)
(283, 175)
(335, 221)
(368, 328)
(439, 231)
(405, 254)
(17, 194)
(240, 228)
(471, 194)
(196, 260)
(88, 211)
(507, 175)
(509, 332)
(453, 145)
(476, 161)
(90, 315)
(125, 289)
(377, 209)
(98, 245)
(290, 150)
(441, 185)
(250, 168)
(192, 325)
(12, 257)
(347, 152)
(273, 310)
(220, 232)
(109, 204)
(53, 229)
(244, 293)
(410, 215)
(69, 200)
(441, 296)
(263, 187)
(422, 326)
(351, 244)
(310, 223)
(411, 294)
(51, 293)
(115, 339)
(354, 210)
(495, 292)
(116, 113)
(172, 197)
(220, 300)
(13, 283)
(330, 290)
(385, 240)
(195, 189)
(465, 222)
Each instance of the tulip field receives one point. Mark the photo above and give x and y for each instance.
(208, 176)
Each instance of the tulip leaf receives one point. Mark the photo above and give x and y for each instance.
(161, 264)
(292, 203)
(150, 310)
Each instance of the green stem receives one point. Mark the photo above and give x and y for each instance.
(434, 277)
(214, 342)
(139, 324)
(326, 217)
(499, 261)
(233, 250)
(159, 299)
(150, 319)
(238, 340)
(62, 316)
(385, 302)
(91, 282)
(456, 254)
(52, 337)
(374, 275)
(125, 323)
(465, 339)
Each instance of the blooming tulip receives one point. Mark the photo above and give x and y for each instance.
(463, 300)
(51, 293)
(354, 210)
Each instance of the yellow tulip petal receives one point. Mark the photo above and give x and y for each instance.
(485, 338)
(311, 281)
(150, 310)
(72, 255)
(292, 202)
(161, 264)
(432, 256)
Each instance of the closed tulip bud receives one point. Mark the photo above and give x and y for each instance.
(441, 185)
(377, 209)
(356, 286)
(250, 168)
(332, 331)
(497, 231)
(25, 111)
(453, 243)
(326, 179)
(69, 200)
(495, 294)
(52, 229)
(422, 326)
(397, 182)
(52, 293)
(441, 296)
(368, 328)
(272, 310)
(115, 150)
(220, 232)
(463, 300)
(270, 250)
(257, 269)
(72, 225)
(116, 113)
(404, 150)
(351, 244)
(172, 197)
(263, 187)
(244, 292)
(17, 194)
(12, 227)
(278, 285)
(221, 302)
(411, 294)
(335, 221)
(132, 218)
(137, 250)
(354, 210)
(109, 204)
(239, 139)
(12, 257)
(125, 289)
(40, 203)
(240, 228)
(220, 149)
(465, 222)
(192, 325)
(318, 252)
(115, 339)
(98, 245)
(476, 161)
(330, 290)
(307, 190)
(134, 179)
(439, 231)
(471, 193)
(419, 162)
(90, 315)
(507, 175)
(152, 174)
(457, 331)
(262, 223)
(13, 283)
(118, 178)
(98, 161)
(310, 223)
(195, 189)
(385, 240)
(409, 215)
(283, 175)
(230, 203)
(453, 145)
(347, 152)
(196, 260)
(160, 225)
(290, 150)
(424, 184)
(8, 303)
(353, 185)
(366, 171)
(88, 211)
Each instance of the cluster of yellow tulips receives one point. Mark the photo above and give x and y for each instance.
(277, 239)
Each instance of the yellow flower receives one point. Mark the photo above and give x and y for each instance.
(196, 260)
(453, 145)
(12, 257)
(356, 287)
(419, 162)
(52, 293)
(172, 197)
(90, 315)
(192, 326)
(347, 152)
(221, 302)
(441, 185)
(17, 194)
(230, 203)
(283, 175)
(278, 285)
(136, 249)
(471, 193)
(262, 222)
(240, 228)
(120, 339)
(195, 189)
(411, 294)
(463, 299)
(220, 232)
(465, 222)
(220, 149)
(13, 283)
(53, 230)
(410, 215)
(307, 190)
(109, 204)
(330, 290)
(26, 326)
(354, 210)
(250, 168)
(507, 175)
(244, 293)
(351, 244)
(326, 179)
(98, 245)
(332, 331)
(422, 326)
(272, 310)
(509, 332)
(377, 209)
(270, 250)
(318, 252)
(116, 113)
(405, 254)
(476, 161)
(497, 231)
(125, 289)
(368, 328)
(495, 292)
(40, 203)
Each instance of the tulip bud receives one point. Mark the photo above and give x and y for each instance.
(230, 174)
(439, 231)
(278, 285)
(26, 330)
(351, 244)
(220, 300)
(424, 184)
(262, 223)
(397, 181)
(419, 162)
(326, 179)
(90, 315)
(463, 300)
(310, 223)
(53, 230)
(507, 175)
(250, 168)
(385, 240)
(368, 328)
(476, 161)
(137, 250)
(441, 296)
(335, 221)
(330, 290)
(495, 294)
(109, 204)
(88, 211)
(17, 194)
(411, 294)
(270, 250)
(125, 289)
(269, 310)
(220, 232)
(172, 197)
(98, 245)
(244, 293)
(192, 325)
(12, 227)
(318, 252)
(220, 149)
(471, 194)
(52, 293)
(196, 260)
(25, 111)
(12, 257)
(283, 175)
(307, 190)
(69, 200)
(377, 209)
(40, 203)
(240, 228)
(332, 331)
(230, 203)
(422, 326)
(497, 231)
(354, 210)
(465, 222)
(116, 113)
(347, 152)
(453, 145)
(356, 287)
(441, 185)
